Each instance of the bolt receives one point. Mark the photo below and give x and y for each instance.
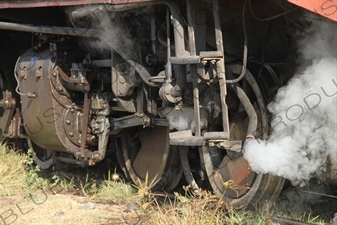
(60, 89)
(68, 122)
(72, 110)
(71, 134)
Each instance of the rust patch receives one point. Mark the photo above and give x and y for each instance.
(239, 173)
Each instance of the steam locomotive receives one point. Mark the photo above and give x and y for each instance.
(171, 88)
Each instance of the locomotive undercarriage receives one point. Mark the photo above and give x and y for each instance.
(150, 107)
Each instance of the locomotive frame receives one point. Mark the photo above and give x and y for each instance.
(184, 88)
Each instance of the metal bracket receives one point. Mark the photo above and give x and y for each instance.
(185, 138)
(204, 57)
(8, 103)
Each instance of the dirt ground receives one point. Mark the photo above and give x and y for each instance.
(64, 209)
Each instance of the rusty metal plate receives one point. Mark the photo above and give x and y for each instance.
(72, 125)
(234, 177)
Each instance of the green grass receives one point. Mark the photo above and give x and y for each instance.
(115, 191)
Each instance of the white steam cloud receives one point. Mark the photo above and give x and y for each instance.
(304, 127)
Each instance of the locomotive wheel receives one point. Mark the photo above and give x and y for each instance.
(228, 172)
(42, 157)
(149, 159)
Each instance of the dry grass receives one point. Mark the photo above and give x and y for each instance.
(85, 200)
(13, 177)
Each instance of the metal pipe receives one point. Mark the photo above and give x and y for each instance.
(79, 14)
(153, 34)
(252, 127)
(245, 49)
(220, 67)
(162, 37)
(178, 89)
(183, 152)
(193, 68)
(85, 123)
(168, 67)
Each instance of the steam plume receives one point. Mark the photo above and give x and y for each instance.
(304, 127)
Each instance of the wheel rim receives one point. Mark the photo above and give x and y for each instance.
(42, 157)
(228, 172)
(149, 159)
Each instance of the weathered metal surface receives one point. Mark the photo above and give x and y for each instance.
(216, 135)
(238, 171)
(38, 112)
(41, 157)
(220, 68)
(72, 125)
(14, 130)
(148, 158)
(326, 8)
(185, 60)
(84, 123)
(8, 104)
(127, 104)
(188, 141)
(44, 108)
(53, 3)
